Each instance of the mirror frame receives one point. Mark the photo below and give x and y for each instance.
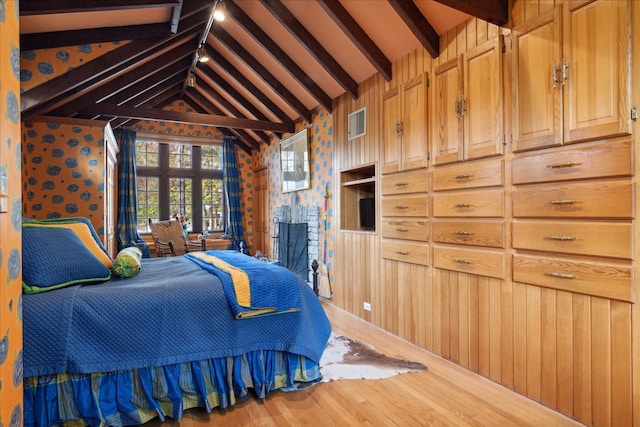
(294, 162)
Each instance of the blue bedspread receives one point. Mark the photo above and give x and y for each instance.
(272, 288)
(173, 311)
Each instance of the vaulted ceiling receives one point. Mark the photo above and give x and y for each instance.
(272, 62)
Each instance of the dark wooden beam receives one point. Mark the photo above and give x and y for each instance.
(36, 41)
(279, 55)
(418, 24)
(113, 110)
(42, 7)
(210, 108)
(358, 37)
(304, 37)
(153, 100)
(494, 11)
(221, 35)
(250, 87)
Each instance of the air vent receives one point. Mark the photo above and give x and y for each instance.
(357, 123)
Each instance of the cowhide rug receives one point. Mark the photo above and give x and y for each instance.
(346, 359)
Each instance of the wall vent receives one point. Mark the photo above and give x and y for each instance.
(357, 123)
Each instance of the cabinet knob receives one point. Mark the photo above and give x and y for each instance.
(463, 176)
(401, 207)
(561, 275)
(462, 233)
(402, 230)
(461, 261)
(563, 202)
(563, 165)
(461, 205)
(560, 238)
(402, 253)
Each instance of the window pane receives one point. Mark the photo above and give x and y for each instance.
(148, 201)
(180, 198)
(211, 157)
(147, 153)
(212, 205)
(179, 156)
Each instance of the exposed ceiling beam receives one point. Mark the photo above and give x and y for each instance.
(114, 110)
(418, 24)
(221, 35)
(250, 87)
(156, 99)
(41, 7)
(198, 109)
(279, 55)
(304, 37)
(358, 36)
(493, 11)
(53, 39)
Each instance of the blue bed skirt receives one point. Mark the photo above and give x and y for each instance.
(139, 395)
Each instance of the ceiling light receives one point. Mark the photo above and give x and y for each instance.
(219, 11)
(191, 80)
(203, 56)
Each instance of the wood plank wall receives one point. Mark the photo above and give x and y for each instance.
(577, 354)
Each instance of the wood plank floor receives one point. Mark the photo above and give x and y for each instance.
(444, 395)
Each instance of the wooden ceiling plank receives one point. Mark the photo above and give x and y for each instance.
(250, 87)
(100, 68)
(153, 101)
(53, 39)
(304, 37)
(221, 35)
(279, 55)
(105, 109)
(493, 11)
(418, 24)
(227, 105)
(358, 36)
(42, 7)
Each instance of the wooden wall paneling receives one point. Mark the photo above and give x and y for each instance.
(506, 333)
(582, 398)
(548, 347)
(471, 33)
(601, 361)
(534, 376)
(564, 352)
(520, 338)
(474, 323)
(429, 330)
(482, 34)
(495, 329)
(622, 365)
(440, 276)
(454, 318)
(464, 312)
(391, 299)
(484, 326)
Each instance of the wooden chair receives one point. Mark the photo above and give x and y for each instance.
(170, 240)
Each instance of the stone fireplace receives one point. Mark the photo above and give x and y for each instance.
(289, 238)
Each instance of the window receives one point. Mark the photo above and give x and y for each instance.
(177, 177)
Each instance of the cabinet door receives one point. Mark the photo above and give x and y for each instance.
(414, 139)
(596, 75)
(392, 131)
(447, 133)
(482, 100)
(536, 86)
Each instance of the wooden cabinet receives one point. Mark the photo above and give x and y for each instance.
(571, 74)
(261, 217)
(404, 126)
(468, 105)
(111, 192)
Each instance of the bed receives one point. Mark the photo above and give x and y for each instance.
(123, 351)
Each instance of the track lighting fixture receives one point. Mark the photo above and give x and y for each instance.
(203, 56)
(191, 81)
(219, 11)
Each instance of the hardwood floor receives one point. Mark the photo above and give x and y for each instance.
(444, 395)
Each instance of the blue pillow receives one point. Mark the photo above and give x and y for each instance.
(71, 220)
(53, 258)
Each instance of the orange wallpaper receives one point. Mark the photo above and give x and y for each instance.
(63, 171)
(10, 222)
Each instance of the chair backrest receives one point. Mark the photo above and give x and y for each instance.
(169, 231)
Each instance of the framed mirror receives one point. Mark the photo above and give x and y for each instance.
(294, 162)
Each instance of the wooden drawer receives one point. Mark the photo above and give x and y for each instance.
(488, 203)
(400, 228)
(414, 253)
(488, 173)
(472, 261)
(471, 233)
(405, 182)
(604, 159)
(409, 205)
(602, 280)
(581, 238)
(607, 199)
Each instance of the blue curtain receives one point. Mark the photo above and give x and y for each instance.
(231, 182)
(128, 194)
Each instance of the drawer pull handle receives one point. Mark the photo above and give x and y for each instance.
(563, 165)
(463, 176)
(462, 233)
(402, 253)
(563, 202)
(400, 184)
(400, 207)
(461, 261)
(561, 275)
(461, 205)
(403, 230)
(561, 238)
